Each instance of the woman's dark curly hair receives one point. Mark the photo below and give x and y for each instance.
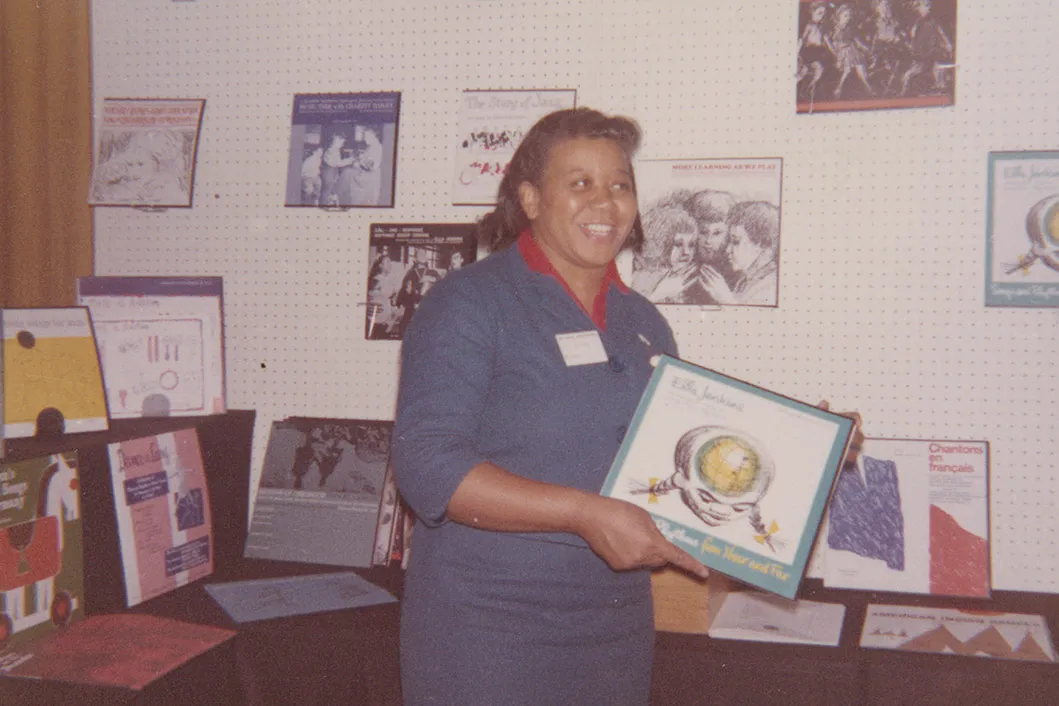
(500, 228)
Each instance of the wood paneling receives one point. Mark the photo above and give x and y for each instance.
(45, 150)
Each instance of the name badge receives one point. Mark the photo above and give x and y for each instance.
(581, 348)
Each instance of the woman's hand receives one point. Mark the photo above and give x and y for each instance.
(625, 537)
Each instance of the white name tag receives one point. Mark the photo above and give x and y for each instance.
(582, 348)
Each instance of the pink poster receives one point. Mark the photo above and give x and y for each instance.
(163, 513)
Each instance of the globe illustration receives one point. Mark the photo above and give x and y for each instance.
(728, 465)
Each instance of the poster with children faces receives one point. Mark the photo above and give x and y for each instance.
(145, 153)
(711, 232)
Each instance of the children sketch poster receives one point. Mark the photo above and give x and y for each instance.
(732, 473)
(161, 343)
(711, 232)
(912, 516)
(406, 261)
(875, 54)
(41, 552)
(492, 124)
(960, 632)
(163, 511)
(1022, 255)
(50, 379)
(320, 491)
(343, 150)
(145, 152)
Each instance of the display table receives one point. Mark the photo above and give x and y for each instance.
(351, 657)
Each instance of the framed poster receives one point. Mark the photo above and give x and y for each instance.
(912, 516)
(492, 124)
(50, 377)
(711, 232)
(407, 259)
(162, 503)
(875, 55)
(161, 343)
(145, 152)
(343, 150)
(1022, 229)
(734, 474)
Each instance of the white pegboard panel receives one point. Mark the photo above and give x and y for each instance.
(882, 266)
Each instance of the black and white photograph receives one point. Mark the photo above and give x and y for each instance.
(875, 54)
(343, 150)
(145, 153)
(406, 261)
(711, 232)
(337, 455)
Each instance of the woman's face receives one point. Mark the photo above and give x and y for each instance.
(456, 261)
(585, 207)
(683, 251)
(741, 250)
(818, 14)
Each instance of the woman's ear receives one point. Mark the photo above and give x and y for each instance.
(529, 197)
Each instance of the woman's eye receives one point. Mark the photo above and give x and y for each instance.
(622, 186)
(580, 183)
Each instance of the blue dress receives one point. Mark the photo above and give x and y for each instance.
(508, 618)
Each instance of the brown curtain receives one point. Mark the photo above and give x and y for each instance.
(45, 150)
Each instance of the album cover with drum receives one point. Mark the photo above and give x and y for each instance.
(733, 473)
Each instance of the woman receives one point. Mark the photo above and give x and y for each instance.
(519, 376)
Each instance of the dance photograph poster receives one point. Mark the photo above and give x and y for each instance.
(1022, 231)
(734, 474)
(145, 152)
(875, 55)
(911, 516)
(343, 150)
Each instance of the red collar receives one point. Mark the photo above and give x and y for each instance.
(539, 262)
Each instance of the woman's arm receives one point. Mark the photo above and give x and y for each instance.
(622, 534)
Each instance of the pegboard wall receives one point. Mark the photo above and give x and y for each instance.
(882, 248)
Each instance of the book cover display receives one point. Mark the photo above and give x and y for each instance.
(1022, 241)
(958, 632)
(163, 513)
(736, 475)
(875, 54)
(50, 379)
(407, 259)
(145, 152)
(492, 124)
(912, 516)
(161, 343)
(343, 150)
(711, 232)
(320, 492)
(41, 548)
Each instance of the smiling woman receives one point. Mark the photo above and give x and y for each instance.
(519, 376)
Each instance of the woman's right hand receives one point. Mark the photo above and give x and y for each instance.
(625, 537)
